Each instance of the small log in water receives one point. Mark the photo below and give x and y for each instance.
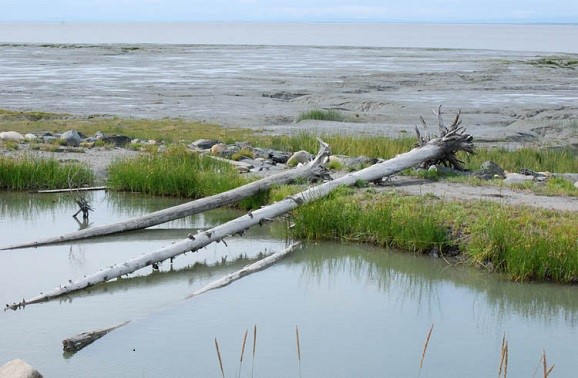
(75, 343)
(249, 269)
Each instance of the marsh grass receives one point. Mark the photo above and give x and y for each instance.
(32, 173)
(539, 160)
(526, 244)
(321, 115)
(178, 172)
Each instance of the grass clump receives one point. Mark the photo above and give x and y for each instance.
(30, 173)
(526, 247)
(525, 244)
(177, 172)
(558, 160)
(321, 115)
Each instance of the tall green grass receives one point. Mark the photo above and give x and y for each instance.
(31, 173)
(524, 243)
(177, 172)
(321, 115)
(551, 160)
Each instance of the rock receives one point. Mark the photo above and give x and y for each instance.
(433, 168)
(11, 136)
(299, 157)
(117, 140)
(203, 144)
(30, 137)
(218, 148)
(18, 369)
(516, 178)
(490, 170)
(576, 184)
(72, 138)
(356, 163)
(99, 135)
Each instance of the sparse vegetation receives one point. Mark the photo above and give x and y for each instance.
(321, 115)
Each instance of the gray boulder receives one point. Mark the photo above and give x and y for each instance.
(72, 138)
(490, 170)
(18, 369)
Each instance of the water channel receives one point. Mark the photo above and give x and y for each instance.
(360, 311)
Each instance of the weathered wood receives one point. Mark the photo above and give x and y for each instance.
(75, 343)
(92, 188)
(189, 208)
(435, 148)
(245, 271)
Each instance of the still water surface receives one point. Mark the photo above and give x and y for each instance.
(361, 311)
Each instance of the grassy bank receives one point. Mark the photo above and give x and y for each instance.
(31, 173)
(177, 172)
(525, 244)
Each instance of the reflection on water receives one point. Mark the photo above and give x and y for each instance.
(361, 311)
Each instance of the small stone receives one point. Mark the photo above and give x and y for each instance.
(218, 148)
(203, 144)
(31, 137)
(11, 136)
(299, 157)
(516, 178)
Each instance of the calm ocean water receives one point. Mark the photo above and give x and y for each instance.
(539, 38)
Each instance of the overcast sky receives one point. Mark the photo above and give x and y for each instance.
(516, 11)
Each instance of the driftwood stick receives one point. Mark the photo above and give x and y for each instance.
(434, 149)
(245, 271)
(189, 208)
(75, 343)
(92, 188)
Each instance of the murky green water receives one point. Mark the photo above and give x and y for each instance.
(361, 311)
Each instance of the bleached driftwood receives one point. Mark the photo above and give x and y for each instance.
(189, 208)
(87, 189)
(75, 343)
(454, 140)
(245, 271)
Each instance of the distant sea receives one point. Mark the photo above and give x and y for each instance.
(508, 37)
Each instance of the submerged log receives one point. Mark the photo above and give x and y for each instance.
(249, 269)
(454, 140)
(186, 209)
(75, 343)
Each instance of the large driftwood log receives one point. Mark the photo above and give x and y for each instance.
(454, 140)
(189, 208)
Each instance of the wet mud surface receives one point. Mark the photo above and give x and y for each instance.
(506, 98)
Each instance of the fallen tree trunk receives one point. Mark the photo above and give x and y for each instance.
(194, 207)
(450, 142)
